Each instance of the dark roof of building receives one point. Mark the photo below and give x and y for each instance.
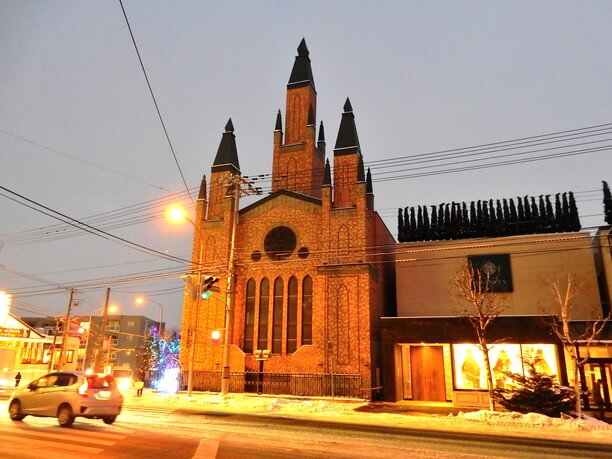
(301, 74)
(227, 154)
(347, 141)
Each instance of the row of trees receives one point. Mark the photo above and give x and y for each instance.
(504, 217)
(158, 353)
(607, 203)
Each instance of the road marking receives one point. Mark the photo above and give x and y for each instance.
(207, 449)
(26, 442)
(74, 432)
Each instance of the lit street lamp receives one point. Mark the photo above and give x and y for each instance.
(5, 306)
(177, 214)
(143, 300)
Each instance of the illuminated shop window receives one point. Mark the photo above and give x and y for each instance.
(469, 364)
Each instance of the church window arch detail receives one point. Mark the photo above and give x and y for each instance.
(307, 310)
(277, 317)
(296, 119)
(264, 300)
(291, 172)
(292, 315)
(342, 325)
(249, 316)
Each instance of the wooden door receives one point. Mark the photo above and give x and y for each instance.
(427, 373)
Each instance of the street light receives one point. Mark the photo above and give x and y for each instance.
(143, 300)
(177, 214)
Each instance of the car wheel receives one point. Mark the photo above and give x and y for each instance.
(109, 419)
(15, 412)
(65, 418)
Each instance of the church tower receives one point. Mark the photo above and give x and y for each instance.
(297, 161)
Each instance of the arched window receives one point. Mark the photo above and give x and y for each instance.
(292, 316)
(249, 316)
(291, 174)
(307, 310)
(264, 298)
(277, 317)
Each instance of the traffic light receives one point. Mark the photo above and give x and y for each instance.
(208, 283)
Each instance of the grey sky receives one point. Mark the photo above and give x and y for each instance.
(422, 77)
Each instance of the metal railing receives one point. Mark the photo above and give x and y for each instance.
(300, 384)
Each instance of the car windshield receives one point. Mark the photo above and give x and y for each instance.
(100, 382)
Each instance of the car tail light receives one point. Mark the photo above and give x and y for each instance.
(83, 388)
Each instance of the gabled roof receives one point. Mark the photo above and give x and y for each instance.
(291, 194)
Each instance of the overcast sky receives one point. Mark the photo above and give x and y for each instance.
(79, 132)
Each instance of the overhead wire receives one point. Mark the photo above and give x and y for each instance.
(161, 119)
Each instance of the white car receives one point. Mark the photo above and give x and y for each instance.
(66, 395)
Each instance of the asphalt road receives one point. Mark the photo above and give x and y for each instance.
(147, 431)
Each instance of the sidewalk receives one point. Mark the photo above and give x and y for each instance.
(426, 419)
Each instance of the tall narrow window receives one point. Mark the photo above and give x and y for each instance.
(249, 316)
(277, 317)
(307, 310)
(292, 318)
(262, 332)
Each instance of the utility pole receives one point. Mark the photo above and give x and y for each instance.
(65, 334)
(235, 183)
(98, 362)
(53, 345)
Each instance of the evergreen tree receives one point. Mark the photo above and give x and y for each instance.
(607, 201)
(574, 218)
(566, 214)
(516, 217)
(453, 221)
(542, 213)
(529, 217)
(441, 222)
(419, 229)
(400, 226)
(486, 222)
(558, 213)
(472, 232)
(535, 216)
(426, 225)
(479, 231)
(406, 225)
(413, 226)
(447, 222)
(500, 222)
(550, 215)
(434, 223)
(535, 393)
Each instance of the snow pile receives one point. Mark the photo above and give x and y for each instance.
(513, 419)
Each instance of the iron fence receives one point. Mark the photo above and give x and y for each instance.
(306, 384)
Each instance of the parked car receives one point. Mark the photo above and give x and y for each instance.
(66, 395)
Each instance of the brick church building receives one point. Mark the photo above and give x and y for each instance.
(312, 257)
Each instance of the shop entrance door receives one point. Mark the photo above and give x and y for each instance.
(427, 363)
(596, 371)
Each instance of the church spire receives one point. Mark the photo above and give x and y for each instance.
(227, 154)
(202, 193)
(279, 122)
(301, 75)
(347, 141)
(327, 174)
(369, 188)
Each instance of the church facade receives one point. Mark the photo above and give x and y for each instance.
(312, 258)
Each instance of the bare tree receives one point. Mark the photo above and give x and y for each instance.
(564, 294)
(480, 304)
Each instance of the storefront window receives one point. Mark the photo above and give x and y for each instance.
(469, 365)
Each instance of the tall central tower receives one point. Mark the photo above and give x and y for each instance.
(297, 162)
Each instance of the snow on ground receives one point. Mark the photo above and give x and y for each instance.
(534, 425)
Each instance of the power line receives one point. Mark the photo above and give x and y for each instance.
(154, 100)
(86, 227)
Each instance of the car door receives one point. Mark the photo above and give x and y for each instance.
(37, 400)
(57, 393)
